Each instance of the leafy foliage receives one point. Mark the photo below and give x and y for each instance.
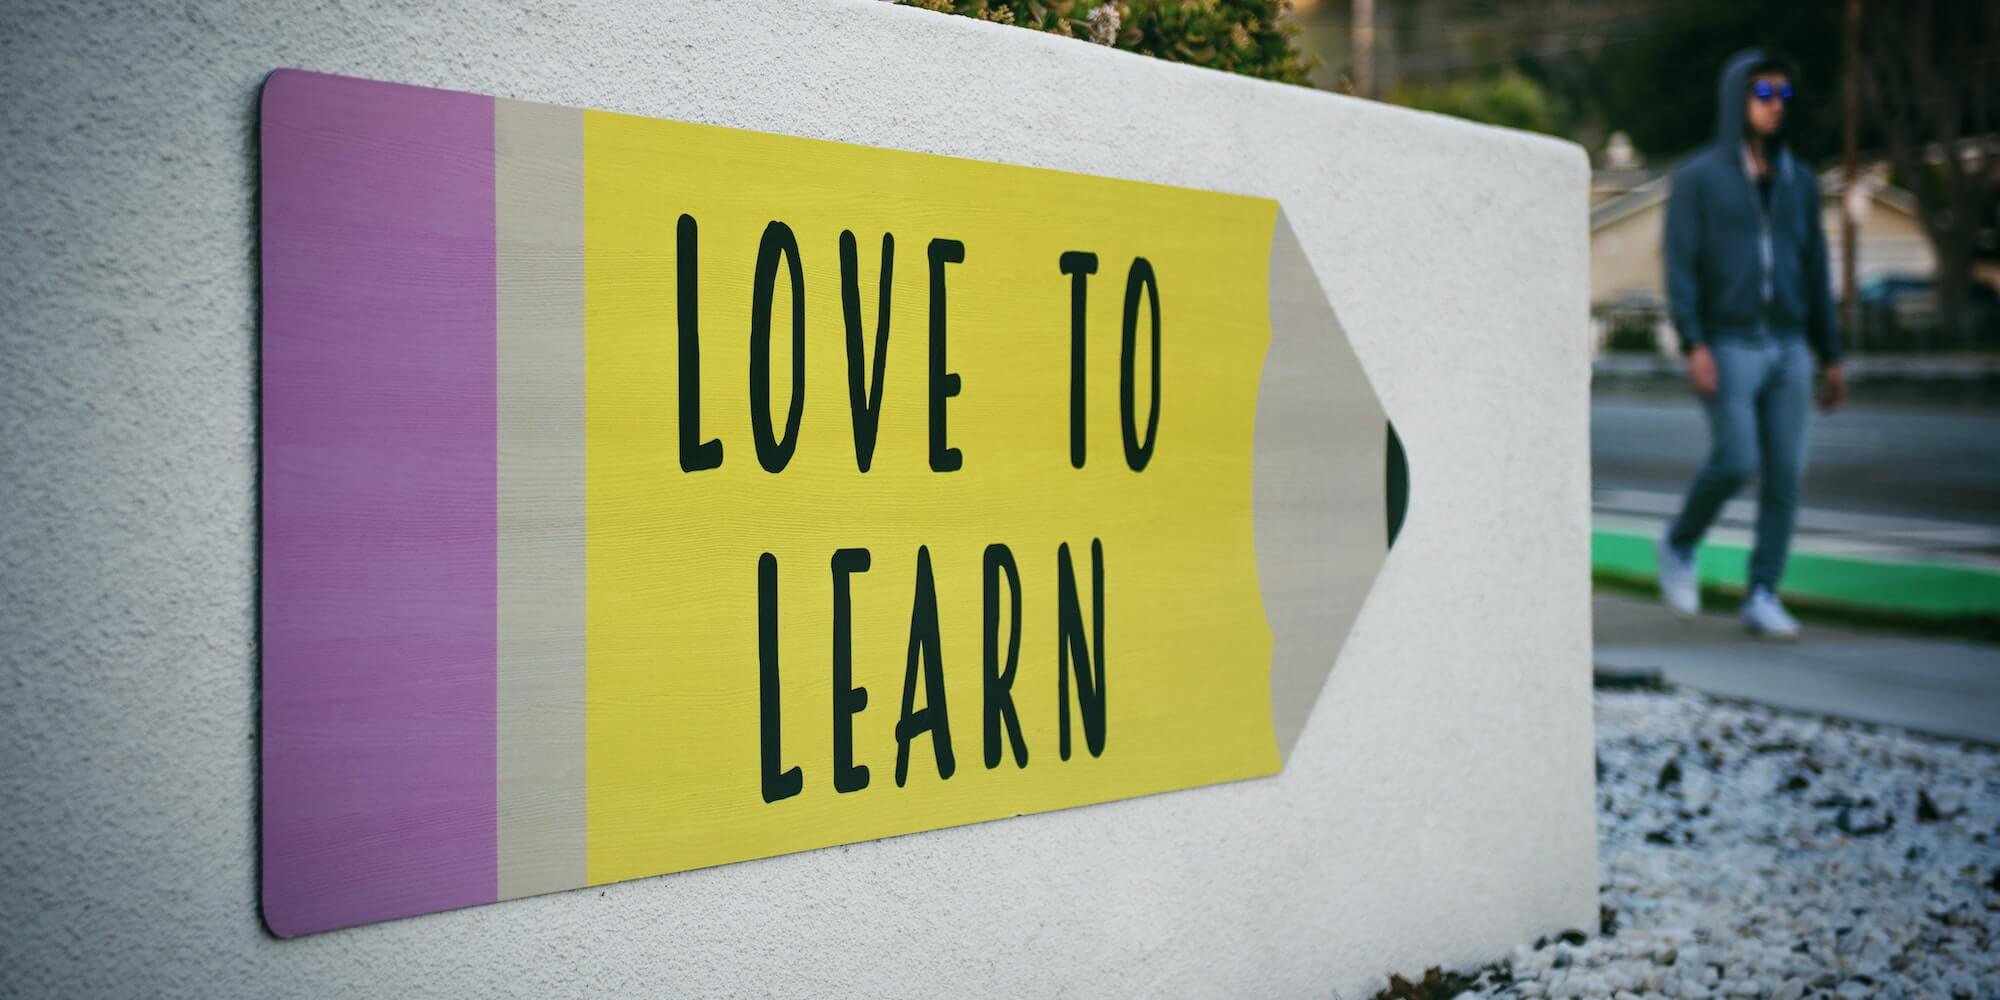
(1658, 82)
(1249, 37)
(1507, 98)
(1929, 80)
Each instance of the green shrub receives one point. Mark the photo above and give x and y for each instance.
(1236, 36)
(1507, 98)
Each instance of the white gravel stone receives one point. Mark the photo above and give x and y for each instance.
(1794, 856)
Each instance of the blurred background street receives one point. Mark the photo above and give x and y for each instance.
(1895, 566)
(1873, 461)
(1896, 563)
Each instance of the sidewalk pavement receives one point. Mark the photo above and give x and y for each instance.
(1944, 687)
(1912, 568)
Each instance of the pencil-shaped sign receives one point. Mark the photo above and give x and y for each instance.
(640, 496)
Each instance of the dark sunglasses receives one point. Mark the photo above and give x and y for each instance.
(1767, 93)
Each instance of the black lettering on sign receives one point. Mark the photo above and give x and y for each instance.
(1080, 266)
(847, 699)
(773, 454)
(943, 384)
(864, 396)
(696, 454)
(1137, 454)
(1000, 681)
(1070, 645)
(925, 646)
(778, 784)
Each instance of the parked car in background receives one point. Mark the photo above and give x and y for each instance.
(1901, 313)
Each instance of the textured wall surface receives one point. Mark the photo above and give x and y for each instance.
(1438, 807)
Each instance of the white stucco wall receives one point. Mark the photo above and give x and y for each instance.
(1438, 808)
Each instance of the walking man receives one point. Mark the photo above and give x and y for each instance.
(1748, 288)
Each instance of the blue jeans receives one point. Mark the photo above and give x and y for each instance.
(1757, 428)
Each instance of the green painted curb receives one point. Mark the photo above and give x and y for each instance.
(1927, 590)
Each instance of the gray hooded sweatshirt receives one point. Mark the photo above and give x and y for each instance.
(1739, 269)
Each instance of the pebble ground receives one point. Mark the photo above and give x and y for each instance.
(1748, 852)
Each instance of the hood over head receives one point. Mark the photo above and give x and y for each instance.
(1732, 92)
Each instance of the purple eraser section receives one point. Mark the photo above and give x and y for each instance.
(379, 509)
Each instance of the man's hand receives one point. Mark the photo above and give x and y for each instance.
(1832, 386)
(1701, 371)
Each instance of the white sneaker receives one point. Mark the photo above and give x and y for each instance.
(1680, 588)
(1766, 618)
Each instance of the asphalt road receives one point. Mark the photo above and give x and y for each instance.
(1906, 460)
(1947, 687)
